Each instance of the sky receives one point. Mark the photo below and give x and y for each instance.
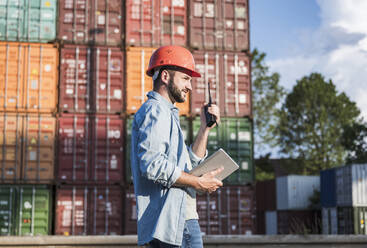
(304, 36)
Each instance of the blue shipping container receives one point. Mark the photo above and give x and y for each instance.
(328, 188)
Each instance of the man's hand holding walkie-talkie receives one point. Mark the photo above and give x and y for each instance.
(211, 112)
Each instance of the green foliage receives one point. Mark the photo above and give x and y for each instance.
(355, 142)
(312, 121)
(263, 169)
(267, 96)
(315, 200)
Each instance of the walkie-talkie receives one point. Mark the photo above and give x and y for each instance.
(210, 118)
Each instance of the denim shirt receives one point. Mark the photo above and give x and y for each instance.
(158, 157)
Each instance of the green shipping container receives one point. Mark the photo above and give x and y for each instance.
(185, 126)
(234, 135)
(7, 211)
(237, 141)
(28, 20)
(25, 210)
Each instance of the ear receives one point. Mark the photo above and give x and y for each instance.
(165, 76)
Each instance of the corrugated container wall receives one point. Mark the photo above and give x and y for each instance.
(27, 148)
(91, 22)
(88, 210)
(28, 21)
(91, 149)
(235, 136)
(271, 222)
(351, 185)
(91, 79)
(138, 84)
(328, 188)
(293, 191)
(229, 76)
(130, 214)
(229, 210)
(156, 23)
(237, 141)
(298, 222)
(352, 220)
(219, 25)
(28, 77)
(329, 221)
(265, 195)
(25, 210)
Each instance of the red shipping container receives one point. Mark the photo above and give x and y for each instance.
(90, 149)
(91, 79)
(83, 21)
(73, 148)
(107, 148)
(130, 214)
(219, 25)
(230, 84)
(266, 195)
(230, 210)
(208, 208)
(88, 210)
(155, 23)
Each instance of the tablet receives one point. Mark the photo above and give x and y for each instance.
(215, 161)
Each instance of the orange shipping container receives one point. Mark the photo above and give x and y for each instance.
(139, 84)
(10, 144)
(28, 77)
(27, 148)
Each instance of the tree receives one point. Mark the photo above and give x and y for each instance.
(312, 121)
(267, 95)
(355, 142)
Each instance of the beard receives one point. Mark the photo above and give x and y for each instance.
(175, 92)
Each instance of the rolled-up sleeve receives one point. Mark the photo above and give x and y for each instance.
(195, 160)
(152, 148)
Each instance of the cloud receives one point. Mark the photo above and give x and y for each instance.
(337, 49)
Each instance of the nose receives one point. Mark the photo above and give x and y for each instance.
(189, 85)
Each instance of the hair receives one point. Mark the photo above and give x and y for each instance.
(171, 71)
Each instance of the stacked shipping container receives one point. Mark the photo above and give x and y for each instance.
(90, 172)
(283, 205)
(344, 199)
(28, 102)
(66, 108)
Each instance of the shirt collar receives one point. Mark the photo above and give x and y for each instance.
(155, 95)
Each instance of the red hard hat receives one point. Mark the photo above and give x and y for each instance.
(172, 56)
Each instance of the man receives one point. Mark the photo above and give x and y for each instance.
(160, 160)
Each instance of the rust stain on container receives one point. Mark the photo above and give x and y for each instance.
(95, 22)
(88, 210)
(139, 84)
(156, 23)
(27, 148)
(90, 149)
(28, 77)
(229, 76)
(91, 79)
(219, 25)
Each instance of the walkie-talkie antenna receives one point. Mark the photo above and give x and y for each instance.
(210, 97)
